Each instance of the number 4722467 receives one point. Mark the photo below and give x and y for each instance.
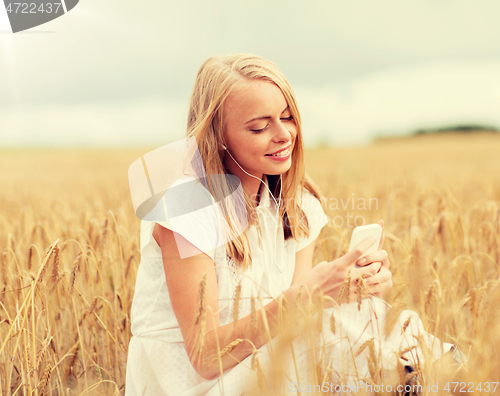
(32, 8)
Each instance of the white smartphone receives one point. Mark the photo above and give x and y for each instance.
(360, 233)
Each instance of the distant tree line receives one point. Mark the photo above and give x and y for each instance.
(460, 128)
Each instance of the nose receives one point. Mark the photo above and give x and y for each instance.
(282, 134)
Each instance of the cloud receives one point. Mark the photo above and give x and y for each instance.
(400, 101)
(141, 123)
(102, 51)
(396, 101)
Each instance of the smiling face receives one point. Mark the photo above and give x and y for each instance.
(259, 131)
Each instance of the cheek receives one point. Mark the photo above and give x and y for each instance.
(250, 150)
(259, 150)
(293, 132)
(258, 145)
(254, 147)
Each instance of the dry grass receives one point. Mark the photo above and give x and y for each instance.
(69, 254)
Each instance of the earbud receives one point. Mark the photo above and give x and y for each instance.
(278, 205)
(255, 177)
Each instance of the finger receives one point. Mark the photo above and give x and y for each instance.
(353, 296)
(381, 288)
(372, 269)
(386, 263)
(378, 290)
(381, 277)
(379, 255)
(381, 222)
(357, 252)
(366, 272)
(377, 265)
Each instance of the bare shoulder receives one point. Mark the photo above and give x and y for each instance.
(162, 235)
(172, 243)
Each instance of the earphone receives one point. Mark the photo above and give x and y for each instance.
(255, 177)
(277, 212)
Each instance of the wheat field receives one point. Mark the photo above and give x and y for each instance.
(69, 252)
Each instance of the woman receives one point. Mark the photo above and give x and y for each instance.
(206, 321)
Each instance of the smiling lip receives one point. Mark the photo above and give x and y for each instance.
(286, 153)
(279, 151)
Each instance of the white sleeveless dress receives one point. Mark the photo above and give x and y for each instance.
(158, 364)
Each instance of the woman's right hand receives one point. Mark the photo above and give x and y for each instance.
(329, 277)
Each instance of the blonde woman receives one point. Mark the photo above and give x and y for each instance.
(199, 322)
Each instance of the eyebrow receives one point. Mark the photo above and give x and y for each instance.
(265, 117)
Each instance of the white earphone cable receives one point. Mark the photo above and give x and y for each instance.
(255, 177)
(277, 213)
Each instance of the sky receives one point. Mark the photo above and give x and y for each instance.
(119, 73)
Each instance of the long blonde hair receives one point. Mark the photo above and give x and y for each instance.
(217, 77)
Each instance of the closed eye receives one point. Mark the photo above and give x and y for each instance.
(283, 119)
(259, 130)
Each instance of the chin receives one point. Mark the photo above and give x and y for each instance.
(279, 170)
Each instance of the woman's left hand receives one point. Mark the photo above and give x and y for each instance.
(381, 282)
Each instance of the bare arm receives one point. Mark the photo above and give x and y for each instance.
(303, 261)
(184, 276)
